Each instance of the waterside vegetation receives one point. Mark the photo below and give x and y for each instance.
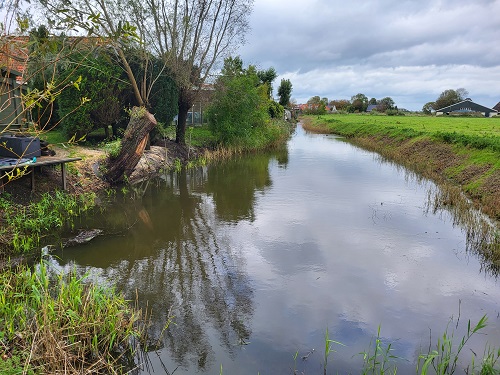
(53, 323)
(23, 226)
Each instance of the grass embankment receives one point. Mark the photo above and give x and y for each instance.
(463, 151)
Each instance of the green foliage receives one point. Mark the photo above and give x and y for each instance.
(267, 78)
(276, 110)
(239, 107)
(475, 141)
(394, 112)
(328, 350)
(428, 108)
(164, 93)
(443, 360)
(52, 322)
(112, 148)
(449, 97)
(359, 103)
(285, 92)
(379, 358)
(25, 225)
(100, 86)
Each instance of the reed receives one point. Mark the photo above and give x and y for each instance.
(379, 358)
(444, 358)
(328, 350)
(25, 225)
(55, 323)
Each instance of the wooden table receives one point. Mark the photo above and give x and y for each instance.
(40, 162)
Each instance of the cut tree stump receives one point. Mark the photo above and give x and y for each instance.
(132, 145)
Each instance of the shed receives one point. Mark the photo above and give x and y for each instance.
(465, 106)
(11, 109)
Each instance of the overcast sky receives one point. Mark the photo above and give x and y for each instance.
(410, 50)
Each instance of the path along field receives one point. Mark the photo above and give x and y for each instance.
(461, 151)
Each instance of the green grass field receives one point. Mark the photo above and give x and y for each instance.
(428, 125)
(474, 133)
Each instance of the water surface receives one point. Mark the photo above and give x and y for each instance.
(255, 258)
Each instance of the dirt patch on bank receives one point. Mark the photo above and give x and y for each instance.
(85, 175)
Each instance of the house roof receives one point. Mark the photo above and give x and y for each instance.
(14, 54)
(497, 107)
(466, 106)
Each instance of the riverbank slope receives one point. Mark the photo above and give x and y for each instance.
(464, 153)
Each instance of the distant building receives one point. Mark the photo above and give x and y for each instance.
(371, 107)
(466, 106)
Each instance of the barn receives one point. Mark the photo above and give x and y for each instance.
(467, 106)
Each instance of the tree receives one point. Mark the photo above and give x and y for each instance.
(191, 37)
(385, 104)
(341, 104)
(450, 97)
(108, 22)
(316, 106)
(315, 100)
(359, 103)
(373, 101)
(428, 107)
(104, 91)
(285, 92)
(240, 104)
(267, 77)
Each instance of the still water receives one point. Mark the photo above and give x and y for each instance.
(254, 258)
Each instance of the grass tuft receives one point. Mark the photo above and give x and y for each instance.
(54, 323)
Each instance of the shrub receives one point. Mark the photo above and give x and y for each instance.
(239, 106)
(99, 85)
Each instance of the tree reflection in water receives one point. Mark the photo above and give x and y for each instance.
(168, 246)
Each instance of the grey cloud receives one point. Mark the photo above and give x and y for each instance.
(323, 40)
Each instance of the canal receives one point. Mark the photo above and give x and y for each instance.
(253, 259)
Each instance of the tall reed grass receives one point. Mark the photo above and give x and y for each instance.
(61, 324)
(23, 226)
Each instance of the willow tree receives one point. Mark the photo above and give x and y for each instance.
(106, 21)
(192, 37)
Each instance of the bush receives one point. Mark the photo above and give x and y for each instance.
(276, 110)
(238, 108)
(96, 100)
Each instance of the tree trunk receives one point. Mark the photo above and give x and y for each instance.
(132, 145)
(185, 103)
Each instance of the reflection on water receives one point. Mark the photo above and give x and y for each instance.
(254, 258)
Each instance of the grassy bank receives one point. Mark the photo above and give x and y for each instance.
(24, 225)
(461, 151)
